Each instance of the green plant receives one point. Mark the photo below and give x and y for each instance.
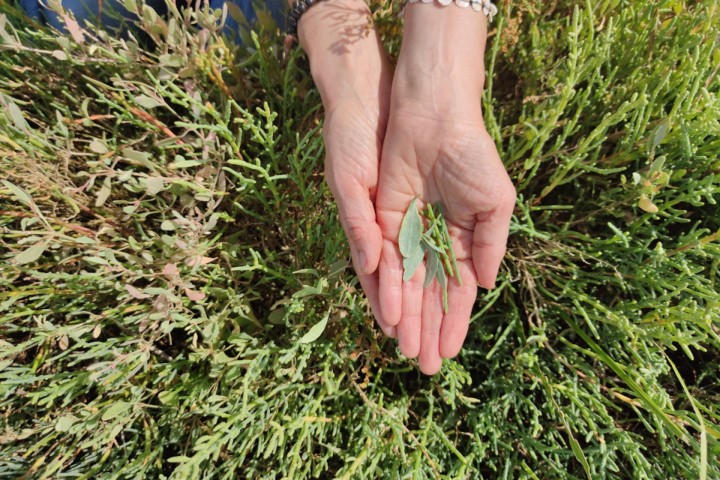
(175, 296)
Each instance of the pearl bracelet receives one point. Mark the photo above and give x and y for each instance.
(485, 6)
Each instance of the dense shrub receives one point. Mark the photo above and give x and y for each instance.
(176, 299)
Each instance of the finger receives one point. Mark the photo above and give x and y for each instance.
(490, 240)
(390, 273)
(429, 359)
(357, 216)
(410, 318)
(461, 299)
(369, 285)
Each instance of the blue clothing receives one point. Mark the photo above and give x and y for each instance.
(113, 12)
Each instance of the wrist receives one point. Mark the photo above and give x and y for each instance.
(441, 63)
(346, 56)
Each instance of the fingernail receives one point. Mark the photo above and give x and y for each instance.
(363, 261)
(489, 286)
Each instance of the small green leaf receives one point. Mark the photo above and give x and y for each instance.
(660, 132)
(104, 192)
(411, 263)
(410, 231)
(168, 225)
(277, 316)
(646, 204)
(17, 116)
(429, 243)
(432, 267)
(98, 146)
(142, 158)
(441, 278)
(147, 102)
(169, 60)
(657, 165)
(154, 185)
(31, 254)
(115, 410)
(168, 397)
(60, 55)
(315, 332)
(177, 164)
(178, 459)
(64, 423)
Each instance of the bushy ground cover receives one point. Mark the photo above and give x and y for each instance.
(176, 300)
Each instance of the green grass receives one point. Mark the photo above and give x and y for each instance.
(176, 300)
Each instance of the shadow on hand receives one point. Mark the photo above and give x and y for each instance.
(352, 23)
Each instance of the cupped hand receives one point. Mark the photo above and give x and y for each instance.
(354, 77)
(448, 158)
(353, 132)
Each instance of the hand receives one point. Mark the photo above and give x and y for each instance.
(437, 148)
(353, 133)
(354, 77)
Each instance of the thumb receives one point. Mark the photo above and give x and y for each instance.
(357, 216)
(490, 241)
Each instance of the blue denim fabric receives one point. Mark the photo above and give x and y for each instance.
(114, 13)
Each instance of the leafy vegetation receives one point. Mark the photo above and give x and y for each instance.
(176, 300)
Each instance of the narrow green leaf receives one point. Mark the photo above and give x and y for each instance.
(577, 451)
(177, 164)
(315, 332)
(432, 267)
(440, 275)
(104, 192)
(142, 158)
(19, 193)
(658, 164)
(115, 410)
(411, 263)
(410, 231)
(429, 243)
(648, 402)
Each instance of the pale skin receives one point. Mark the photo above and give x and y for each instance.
(418, 131)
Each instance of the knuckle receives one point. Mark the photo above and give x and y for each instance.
(354, 231)
(508, 195)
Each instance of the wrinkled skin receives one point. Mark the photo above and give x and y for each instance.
(390, 137)
(351, 170)
(454, 162)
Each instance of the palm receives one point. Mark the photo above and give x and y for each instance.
(457, 165)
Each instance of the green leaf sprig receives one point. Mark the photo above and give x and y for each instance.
(434, 242)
